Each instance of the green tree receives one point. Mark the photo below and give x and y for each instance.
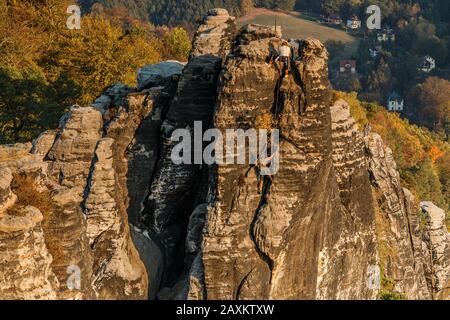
(29, 105)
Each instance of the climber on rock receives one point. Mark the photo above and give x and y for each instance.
(283, 56)
(109, 114)
(260, 165)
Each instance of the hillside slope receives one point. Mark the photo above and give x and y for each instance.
(422, 156)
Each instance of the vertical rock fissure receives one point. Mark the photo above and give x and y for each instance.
(241, 284)
(87, 189)
(410, 232)
(265, 192)
(303, 102)
(263, 201)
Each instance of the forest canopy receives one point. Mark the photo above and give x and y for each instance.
(45, 67)
(184, 12)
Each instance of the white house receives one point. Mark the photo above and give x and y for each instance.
(375, 52)
(386, 34)
(354, 23)
(428, 64)
(395, 102)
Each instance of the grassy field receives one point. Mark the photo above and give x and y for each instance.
(294, 26)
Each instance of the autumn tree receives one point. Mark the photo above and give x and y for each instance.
(431, 101)
(45, 67)
(246, 6)
(176, 44)
(443, 165)
(380, 80)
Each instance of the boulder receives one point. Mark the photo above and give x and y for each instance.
(158, 74)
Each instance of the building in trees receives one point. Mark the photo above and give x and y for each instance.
(387, 34)
(334, 19)
(427, 64)
(354, 23)
(395, 102)
(347, 66)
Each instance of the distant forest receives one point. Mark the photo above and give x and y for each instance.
(167, 12)
(185, 12)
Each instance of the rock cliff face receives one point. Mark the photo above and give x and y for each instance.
(108, 215)
(436, 238)
(401, 253)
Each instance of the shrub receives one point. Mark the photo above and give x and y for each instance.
(265, 121)
(387, 289)
(386, 295)
(28, 195)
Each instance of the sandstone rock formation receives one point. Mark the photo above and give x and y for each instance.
(27, 271)
(394, 222)
(174, 187)
(117, 219)
(155, 74)
(437, 240)
(297, 224)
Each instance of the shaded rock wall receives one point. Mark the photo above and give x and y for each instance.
(174, 187)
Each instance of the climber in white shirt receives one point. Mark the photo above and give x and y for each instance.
(284, 56)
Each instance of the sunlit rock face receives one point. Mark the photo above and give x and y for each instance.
(437, 240)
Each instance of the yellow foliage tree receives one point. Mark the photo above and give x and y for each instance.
(100, 54)
(177, 44)
(435, 154)
(45, 67)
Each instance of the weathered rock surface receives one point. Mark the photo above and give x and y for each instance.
(128, 223)
(25, 263)
(357, 235)
(156, 74)
(394, 223)
(117, 270)
(7, 198)
(43, 144)
(421, 252)
(66, 240)
(301, 237)
(213, 35)
(437, 240)
(72, 153)
(174, 187)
